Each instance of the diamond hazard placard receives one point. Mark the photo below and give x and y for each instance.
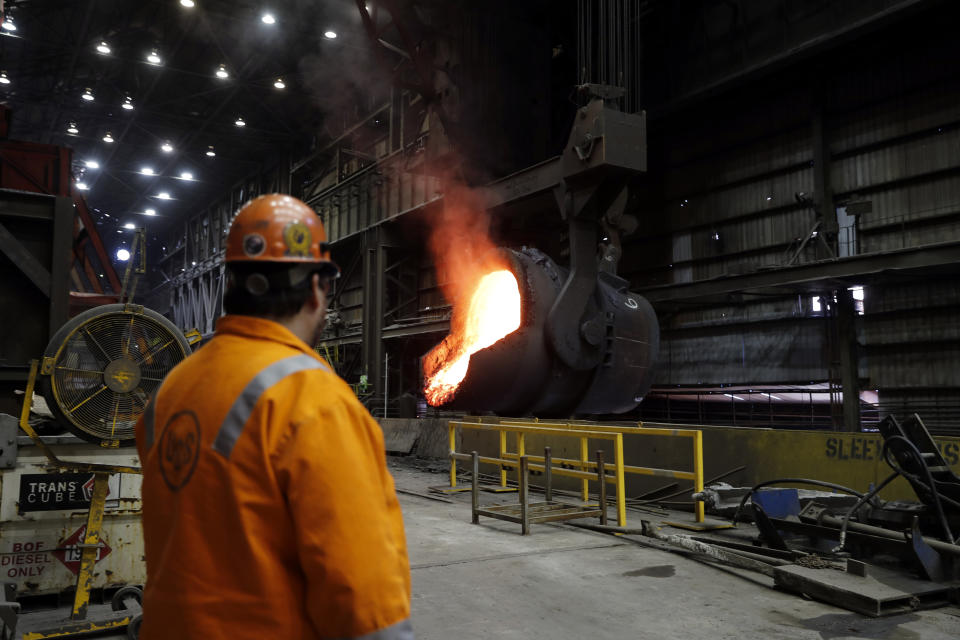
(69, 552)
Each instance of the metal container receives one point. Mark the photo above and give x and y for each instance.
(43, 516)
(521, 374)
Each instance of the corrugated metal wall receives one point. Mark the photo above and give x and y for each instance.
(732, 190)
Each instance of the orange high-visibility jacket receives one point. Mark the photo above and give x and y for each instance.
(268, 510)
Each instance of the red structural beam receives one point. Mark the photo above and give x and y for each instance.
(45, 168)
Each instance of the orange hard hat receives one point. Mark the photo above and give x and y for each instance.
(278, 228)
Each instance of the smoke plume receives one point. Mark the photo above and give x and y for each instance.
(460, 241)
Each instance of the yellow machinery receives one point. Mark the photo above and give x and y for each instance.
(97, 375)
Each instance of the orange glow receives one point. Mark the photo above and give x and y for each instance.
(492, 313)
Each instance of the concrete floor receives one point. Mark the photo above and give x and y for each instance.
(488, 582)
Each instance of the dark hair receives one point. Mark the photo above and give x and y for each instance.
(289, 289)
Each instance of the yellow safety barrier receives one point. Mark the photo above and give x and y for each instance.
(695, 434)
(511, 460)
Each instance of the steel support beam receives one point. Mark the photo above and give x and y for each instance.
(849, 361)
(21, 257)
(399, 331)
(373, 291)
(539, 178)
(60, 262)
(920, 257)
(814, 46)
(26, 205)
(197, 301)
(418, 329)
(36, 235)
(823, 190)
(106, 265)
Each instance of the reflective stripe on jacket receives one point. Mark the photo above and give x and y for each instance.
(268, 510)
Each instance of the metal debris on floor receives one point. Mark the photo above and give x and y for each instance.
(836, 544)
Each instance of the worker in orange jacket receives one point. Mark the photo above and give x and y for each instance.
(268, 510)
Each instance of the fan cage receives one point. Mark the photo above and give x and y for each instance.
(77, 376)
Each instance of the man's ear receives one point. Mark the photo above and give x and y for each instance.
(316, 298)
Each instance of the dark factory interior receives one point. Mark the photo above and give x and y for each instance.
(561, 230)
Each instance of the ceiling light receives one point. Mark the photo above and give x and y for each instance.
(108, 138)
(72, 129)
(222, 72)
(92, 164)
(186, 175)
(103, 48)
(279, 84)
(189, 4)
(87, 95)
(127, 104)
(8, 24)
(129, 225)
(268, 18)
(154, 57)
(82, 186)
(147, 171)
(166, 147)
(123, 255)
(330, 34)
(210, 152)
(163, 195)
(239, 122)
(150, 212)
(3, 78)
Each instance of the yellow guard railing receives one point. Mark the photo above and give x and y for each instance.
(511, 460)
(586, 468)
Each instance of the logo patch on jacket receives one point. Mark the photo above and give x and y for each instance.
(179, 449)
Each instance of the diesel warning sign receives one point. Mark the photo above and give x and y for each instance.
(54, 491)
(70, 553)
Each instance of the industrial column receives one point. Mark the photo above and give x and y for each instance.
(823, 190)
(846, 318)
(846, 313)
(373, 287)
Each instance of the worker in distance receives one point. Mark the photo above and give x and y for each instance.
(268, 510)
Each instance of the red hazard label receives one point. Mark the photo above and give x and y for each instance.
(88, 488)
(69, 551)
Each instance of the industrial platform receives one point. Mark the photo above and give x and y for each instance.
(486, 581)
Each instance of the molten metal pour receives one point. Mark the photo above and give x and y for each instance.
(493, 312)
(587, 345)
(496, 360)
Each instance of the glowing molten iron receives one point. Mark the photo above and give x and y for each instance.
(493, 312)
